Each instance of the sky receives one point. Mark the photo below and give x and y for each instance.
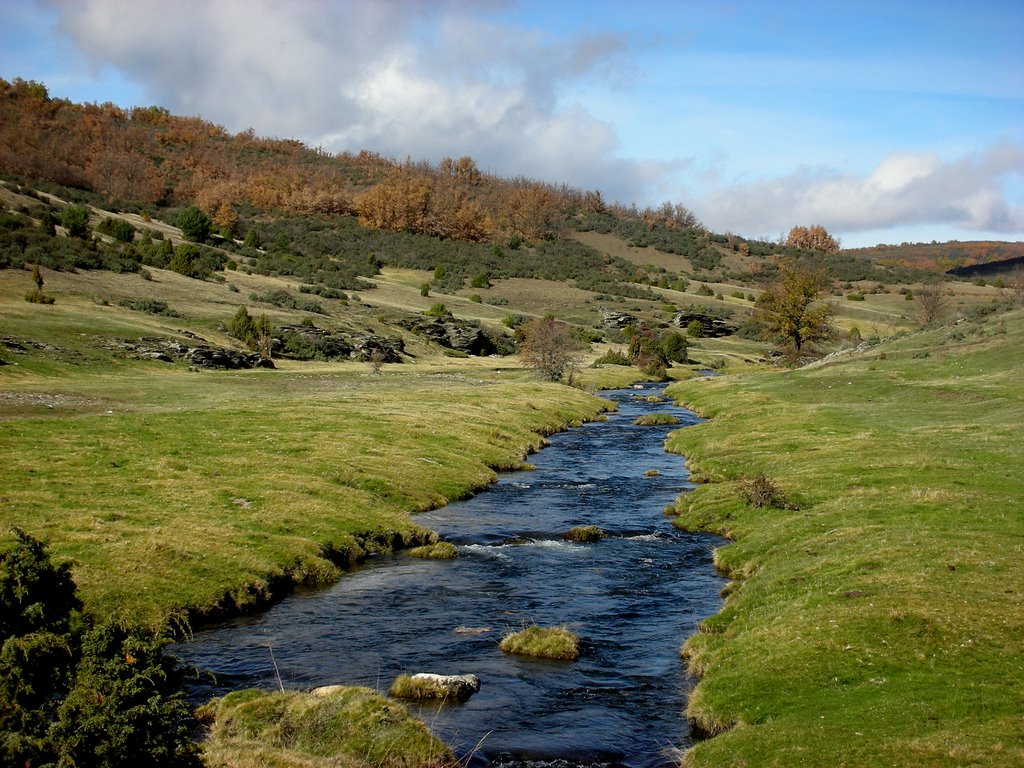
(886, 122)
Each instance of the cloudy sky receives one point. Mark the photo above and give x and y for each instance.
(884, 121)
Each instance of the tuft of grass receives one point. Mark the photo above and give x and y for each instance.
(543, 643)
(349, 726)
(442, 550)
(759, 492)
(655, 419)
(586, 534)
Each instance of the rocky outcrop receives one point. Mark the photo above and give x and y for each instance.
(620, 320)
(711, 327)
(451, 333)
(307, 342)
(200, 355)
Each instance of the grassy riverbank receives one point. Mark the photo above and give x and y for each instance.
(880, 621)
(173, 490)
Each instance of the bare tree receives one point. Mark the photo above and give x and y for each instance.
(549, 348)
(931, 303)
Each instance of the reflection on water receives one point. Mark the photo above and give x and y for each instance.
(632, 597)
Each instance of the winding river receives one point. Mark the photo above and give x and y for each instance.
(632, 597)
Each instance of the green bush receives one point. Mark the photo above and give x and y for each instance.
(152, 306)
(75, 220)
(194, 224)
(77, 693)
(438, 310)
(613, 357)
(481, 280)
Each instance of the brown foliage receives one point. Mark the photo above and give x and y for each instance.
(813, 238)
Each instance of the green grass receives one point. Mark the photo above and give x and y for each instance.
(655, 419)
(878, 621)
(199, 490)
(543, 643)
(351, 727)
(442, 550)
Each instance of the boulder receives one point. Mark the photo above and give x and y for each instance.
(451, 687)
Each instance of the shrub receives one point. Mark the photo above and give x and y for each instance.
(855, 297)
(586, 534)
(194, 224)
(476, 298)
(152, 306)
(613, 357)
(760, 492)
(704, 290)
(425, 289)
(71, 694)
(480, 280)
(75, 220)
(543, 643)
(438, 310)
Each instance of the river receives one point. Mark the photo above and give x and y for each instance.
(632, 598)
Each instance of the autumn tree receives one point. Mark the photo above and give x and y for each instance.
(549, 348)
(813, 238)
(789, 309)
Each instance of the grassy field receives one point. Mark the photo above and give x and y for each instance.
(877, 615)
(181, 493)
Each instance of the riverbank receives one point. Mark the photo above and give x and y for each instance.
(878, 618)
(180, 496)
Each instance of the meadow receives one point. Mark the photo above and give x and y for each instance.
(875, 617)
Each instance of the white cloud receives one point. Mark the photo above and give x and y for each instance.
(394, 76)
(904, 189)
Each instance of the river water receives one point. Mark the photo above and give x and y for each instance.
(632, 598)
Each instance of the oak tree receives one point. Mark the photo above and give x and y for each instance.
(789, 309)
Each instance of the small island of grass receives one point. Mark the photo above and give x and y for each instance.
(442, 550)
(656, 419)
(586, 534)
(543, 643)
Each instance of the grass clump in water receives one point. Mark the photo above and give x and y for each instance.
(442, 550)
(543, 643)
(430, 687)
(349, 726)
(656, 419)
(584, 533)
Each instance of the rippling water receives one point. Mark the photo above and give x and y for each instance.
(632, 597)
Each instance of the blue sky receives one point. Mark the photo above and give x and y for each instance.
(884, 121)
